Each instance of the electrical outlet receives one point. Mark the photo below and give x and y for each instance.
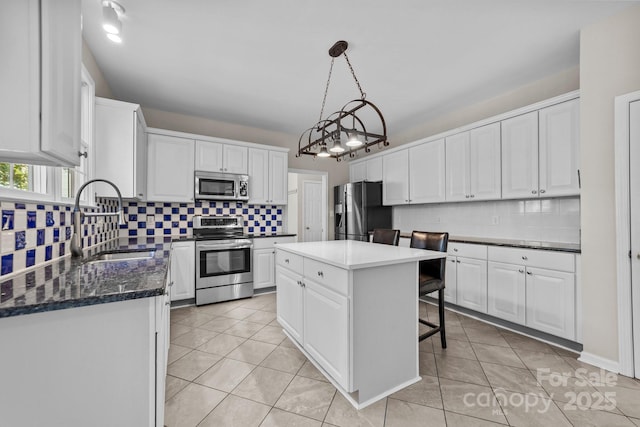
(495, 220)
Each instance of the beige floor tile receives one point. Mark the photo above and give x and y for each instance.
(263, 385)
(280, 418)
(627, 400)
(270, 334)
(192, 365)
(189, 406)
(176, 352)
(621, 381)
(636, 421)
(405, 414)
(592, 418)
(173, 385)
(219, 324)
(195, 319)
(513, 379)
(221, 344)
(530, 410)
(456, 368)
(470, 399)
(239, 313)
(178, 314)
(285, 359)
(307, 397)
(485, 336)
(425, 392)
(235, 411)
(427, 345)
(288, 343)
(498, 355)
(244, 329)
(216, 309)
(225, 375)
(257, 302)
(525, 343)
(252, 351)
(451, 332)
(194, 339)
(459, 420)
(343, 414)
(308, 370)
(566, 388)
(427, 364)
(456, 348)
(545, 362)
(270, 307)
(177, 329)
(264, 317)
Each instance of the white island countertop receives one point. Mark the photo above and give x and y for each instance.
(352, 254)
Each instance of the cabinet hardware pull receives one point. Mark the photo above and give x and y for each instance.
(543, 191)
(458, 261)
(521, 270)
(320, 273)
(472, 196)
(534, 192)
(455, 249)
(286, 261)
(524, 258)
(81, 154)
(528, 272)
(466, 196)
(453, 260)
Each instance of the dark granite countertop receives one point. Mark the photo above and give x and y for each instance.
(74, 282)
(514, 243)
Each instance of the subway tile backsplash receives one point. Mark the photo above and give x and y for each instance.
(549, 220)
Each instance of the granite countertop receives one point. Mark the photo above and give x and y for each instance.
(527, 244)
(73, 282)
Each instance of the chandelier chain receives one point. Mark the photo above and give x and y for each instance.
(353, 73)
(326, 90)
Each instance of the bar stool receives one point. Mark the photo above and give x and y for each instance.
(432, 274)
(386, 236)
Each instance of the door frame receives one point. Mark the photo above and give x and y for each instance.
(623, 233)
(325, 197)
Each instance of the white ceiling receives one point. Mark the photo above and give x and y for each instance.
(264, 63)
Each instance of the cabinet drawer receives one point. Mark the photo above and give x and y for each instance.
(552, 260)
(467, 250)
(288, 260)
(268, 242)
(332, 277)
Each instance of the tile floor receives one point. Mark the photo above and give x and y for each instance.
(231, 365)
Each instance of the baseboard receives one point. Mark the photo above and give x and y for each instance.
(599, 362)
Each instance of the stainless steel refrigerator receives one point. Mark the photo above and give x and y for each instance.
(358, 210)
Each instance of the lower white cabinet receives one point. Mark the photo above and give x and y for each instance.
(290, 302)
(450, 280)
(466, 273)
(506, 291)
(551, 301)
(264, 260)
(183, 270)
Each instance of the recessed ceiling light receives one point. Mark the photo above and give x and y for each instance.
(114, 38)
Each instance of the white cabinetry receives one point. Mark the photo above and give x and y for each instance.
(470, 275)
(120, 148)
(414, 175)
(183, 270)
(268, 171)
(290, 302)
(450, 280)
(170, 169)
(219, 157)
(535, 288)
(366, 170)
(264, 260)
(540, 152)
(40, 84)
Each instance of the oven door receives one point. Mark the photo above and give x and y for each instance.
(216, 188)
(223, 262)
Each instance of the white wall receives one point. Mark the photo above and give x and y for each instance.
(552, 220)
(609, 66)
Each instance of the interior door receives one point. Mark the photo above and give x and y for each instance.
(634, 185)
(312, 211)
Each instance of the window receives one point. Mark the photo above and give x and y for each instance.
(22, 181)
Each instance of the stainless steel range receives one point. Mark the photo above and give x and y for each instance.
(223, 259)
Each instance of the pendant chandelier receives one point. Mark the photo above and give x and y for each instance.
(343, 133)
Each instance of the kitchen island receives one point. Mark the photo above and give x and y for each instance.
(352, 308)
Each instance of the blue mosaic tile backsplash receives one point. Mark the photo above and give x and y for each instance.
(35, 233)
(165, 219)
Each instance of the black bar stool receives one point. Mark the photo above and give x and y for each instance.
(386, 236)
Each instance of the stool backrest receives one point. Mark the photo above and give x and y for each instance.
(433, 241)
(386, 236)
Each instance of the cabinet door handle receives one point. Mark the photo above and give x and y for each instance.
(521, 271)
(524, 258)
(81, 154)
(455, 249)
(466, 196)
(303, 285)
(320, 274)
(543, 191)
(534, 192)
(458, 261)
(453, 261)
(286, 261)
(529, 273)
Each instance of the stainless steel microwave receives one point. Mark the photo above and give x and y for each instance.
(221, 186)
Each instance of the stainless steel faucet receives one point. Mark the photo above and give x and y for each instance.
(76, 238)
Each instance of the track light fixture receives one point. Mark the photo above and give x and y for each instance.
(111, 13)
(329, 131)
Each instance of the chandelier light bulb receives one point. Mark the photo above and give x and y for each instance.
(323, 152)
(353, 140)
(337, 146)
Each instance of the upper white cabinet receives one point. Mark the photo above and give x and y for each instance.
(367, 170)
(268, 171)
(414, 175)
(120, 148)
(457, 166)
(219, 157)
(169, 154)
(559, 149)
(40, 84)
(540, 152)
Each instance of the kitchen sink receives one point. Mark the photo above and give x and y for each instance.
(122, 256)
